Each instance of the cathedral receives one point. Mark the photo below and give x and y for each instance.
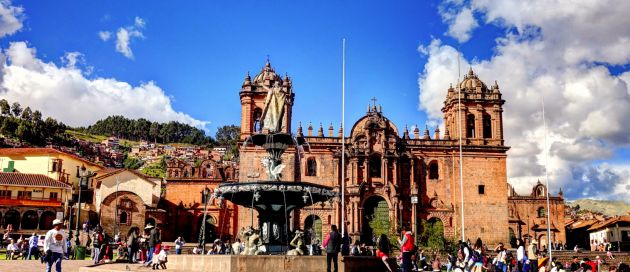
(390, 172)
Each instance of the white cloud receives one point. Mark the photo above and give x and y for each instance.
(557, 50)
(104, 35)
(460, 19)
(11, 18)
(65, 93)
(125, 36)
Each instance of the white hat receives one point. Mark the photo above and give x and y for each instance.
(149, 226)
(57, 222)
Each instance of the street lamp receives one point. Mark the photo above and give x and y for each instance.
(202, 233)
(414, 203)
(84, 176)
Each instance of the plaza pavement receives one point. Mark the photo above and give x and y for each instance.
(37, 266)
(69, 266)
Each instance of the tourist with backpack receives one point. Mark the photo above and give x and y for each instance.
(463, 254)
(97, 241)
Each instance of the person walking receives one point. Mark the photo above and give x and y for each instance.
(154, 239)
(520, 254)
(33, 249)
(501, 258)
(179, 243)
(132, 244)
(407, 249)
(55, 246)
(332, 245)
(97, 242)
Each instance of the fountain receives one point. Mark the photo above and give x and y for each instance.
(274, 199)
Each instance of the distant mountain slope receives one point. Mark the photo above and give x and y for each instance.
(610, 208)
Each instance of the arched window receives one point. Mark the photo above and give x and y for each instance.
(540, 191)
(375, 166)
(257, 115)
(470, 126)
(311, 167)
(487, 126)
(123, 218)
(434, 170)
(541, 212)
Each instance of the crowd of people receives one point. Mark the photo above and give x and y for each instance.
(146, 247)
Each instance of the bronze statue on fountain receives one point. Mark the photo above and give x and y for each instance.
(274, 199)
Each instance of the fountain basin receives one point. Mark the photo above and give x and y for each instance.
(274, 201)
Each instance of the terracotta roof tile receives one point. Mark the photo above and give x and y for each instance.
(35, 180)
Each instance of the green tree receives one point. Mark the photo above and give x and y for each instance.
(5, 109)
(37, 116)
(432, 234)
(154, 131)
(22, 132)
(132, 163)
(16, 109)
(27, 114)
(228, 136)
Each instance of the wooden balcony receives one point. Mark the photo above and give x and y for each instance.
(30, 201)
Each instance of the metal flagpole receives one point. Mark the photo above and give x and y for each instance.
(542, 99)
(343, 138)
(461, 162)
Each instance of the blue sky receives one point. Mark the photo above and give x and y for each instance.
(199, 52)
(80, 61)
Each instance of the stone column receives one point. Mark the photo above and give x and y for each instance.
(366, 169)
(479, 122)
(385, 172)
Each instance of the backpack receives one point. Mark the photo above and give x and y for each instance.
(476, 256)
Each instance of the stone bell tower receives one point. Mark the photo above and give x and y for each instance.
(481, 112)
(253, 94)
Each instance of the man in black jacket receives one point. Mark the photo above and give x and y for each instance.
(332, 244)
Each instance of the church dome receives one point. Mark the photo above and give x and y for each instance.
(472, 82)
(267, 72)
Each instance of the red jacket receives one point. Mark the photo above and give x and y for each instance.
(408, 243)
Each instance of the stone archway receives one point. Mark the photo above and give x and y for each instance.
(150, 220)
(312, 226)
(29, 220)
(375, 220)
(45, 221)
(432, 233)
(210, 228)
(11, 217)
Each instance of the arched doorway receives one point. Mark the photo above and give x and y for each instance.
(542, 240)
(312, 226)
(432, 233)
(45, 221)
(512, 237)
(150, 220)
(30, 220)
(210, 229)
(11, 217)
(376, 219)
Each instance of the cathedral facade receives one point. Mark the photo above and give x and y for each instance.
(391, 172)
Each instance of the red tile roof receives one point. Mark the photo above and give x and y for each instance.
(43, 150)
(34, 180)
(611, 221)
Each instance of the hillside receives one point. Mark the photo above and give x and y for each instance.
(610, 208)
(93, 138)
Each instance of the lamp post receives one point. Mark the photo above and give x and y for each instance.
(84, 175)
(202, 232)
(414, 203)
